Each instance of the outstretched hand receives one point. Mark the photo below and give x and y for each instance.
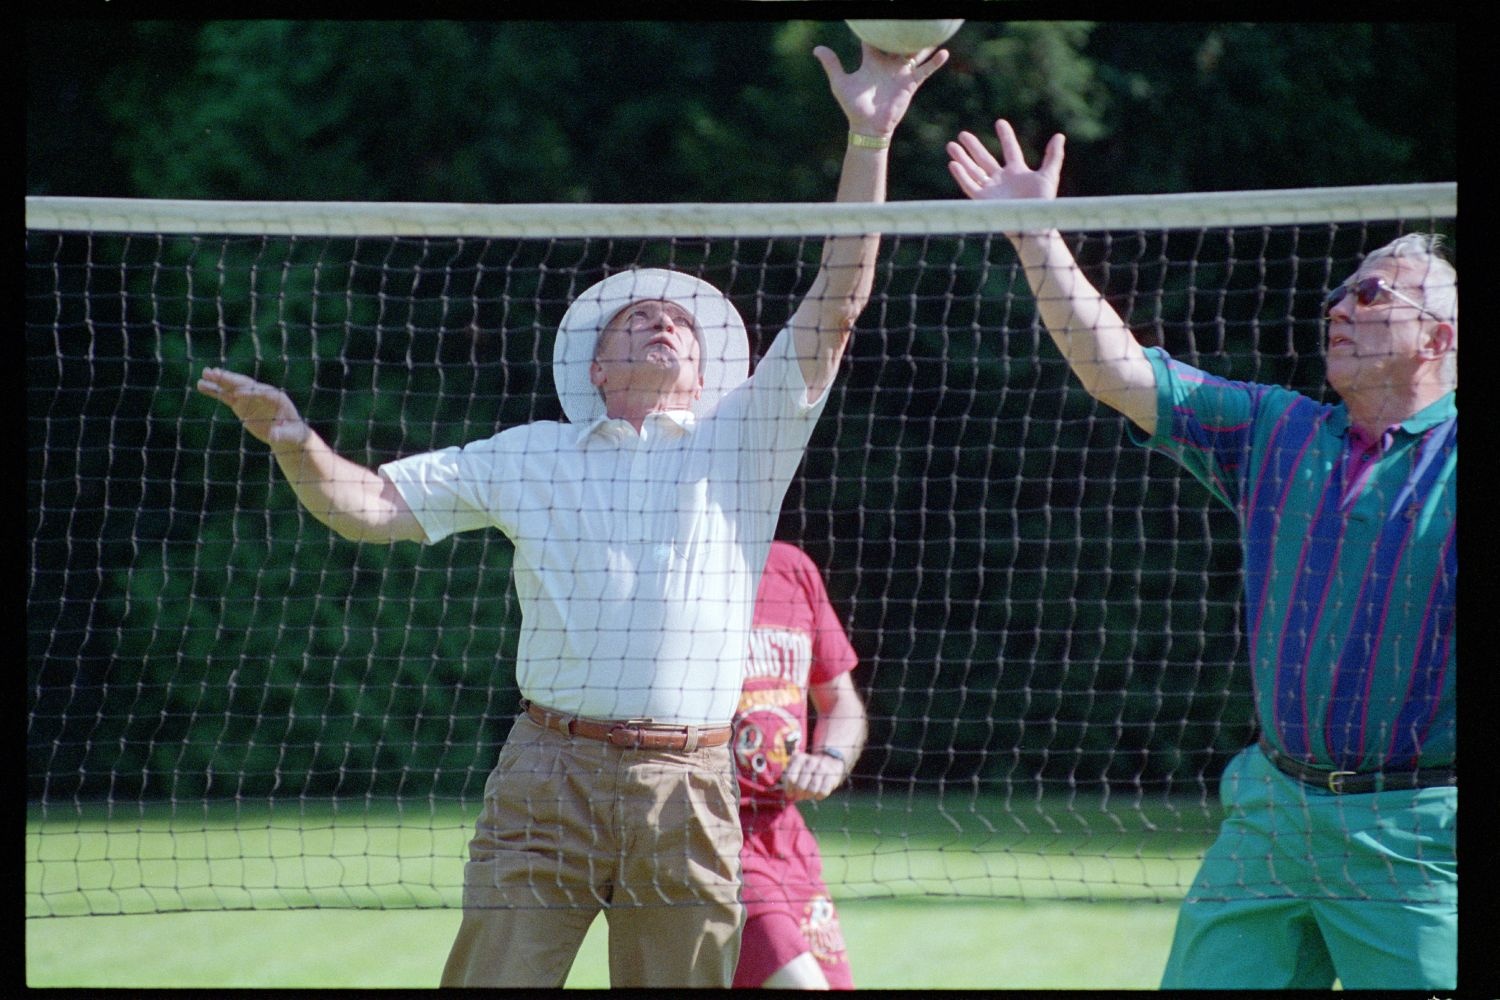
(876, 95)
(982, 177)
(267, 413)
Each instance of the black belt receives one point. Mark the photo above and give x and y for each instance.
(1358, 782)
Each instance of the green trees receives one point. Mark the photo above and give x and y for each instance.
(529, 111)
(190, 633)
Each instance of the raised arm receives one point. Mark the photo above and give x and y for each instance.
(874, 99)
(1097, 344)
(359, 504)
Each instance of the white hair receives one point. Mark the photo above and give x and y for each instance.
(1439, 281)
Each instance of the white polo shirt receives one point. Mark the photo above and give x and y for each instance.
(637, 556)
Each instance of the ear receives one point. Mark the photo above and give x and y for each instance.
(596, 374)
(1438, 341)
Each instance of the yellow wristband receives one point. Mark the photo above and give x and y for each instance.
(869, 141)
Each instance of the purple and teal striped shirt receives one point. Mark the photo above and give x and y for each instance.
(1349, 587)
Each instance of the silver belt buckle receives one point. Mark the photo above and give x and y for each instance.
(1336, 780)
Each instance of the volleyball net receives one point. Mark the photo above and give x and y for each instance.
(230, 707)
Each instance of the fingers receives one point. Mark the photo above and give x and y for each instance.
(961, 177)
(922, 69)
(230, 387)
(830, 62)
(969, 177)
(979, 174)
(1010, 149)
(920, 66)
(1052, 158)
(869, 55)
(809, 776)
(223, 378)
(1010, 146)
(805, 791)
(978, 154)
(241, 391)
(216, 381)
(971, 164)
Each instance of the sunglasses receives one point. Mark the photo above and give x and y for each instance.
(1367, 290)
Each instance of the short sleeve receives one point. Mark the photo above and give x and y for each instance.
(1206, 423)
(456, 489)
(832, 653)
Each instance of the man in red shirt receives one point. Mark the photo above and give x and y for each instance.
(798, 648)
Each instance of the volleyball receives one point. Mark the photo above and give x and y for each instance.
(904, 38)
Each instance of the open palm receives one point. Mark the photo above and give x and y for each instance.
(876, 95)
(267, 413)
(982, 177)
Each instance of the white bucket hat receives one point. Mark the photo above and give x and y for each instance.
(726, 346)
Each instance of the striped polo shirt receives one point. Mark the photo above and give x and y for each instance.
(1350, 563)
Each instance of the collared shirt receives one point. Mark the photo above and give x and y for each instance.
(636, 555)
(1350, 563)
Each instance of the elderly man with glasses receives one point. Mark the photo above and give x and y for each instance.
(1336, 859)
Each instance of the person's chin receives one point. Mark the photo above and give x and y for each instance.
(1344, 379)
(1340, 372)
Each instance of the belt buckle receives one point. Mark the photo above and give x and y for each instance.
(627, 733)
(1336, 780)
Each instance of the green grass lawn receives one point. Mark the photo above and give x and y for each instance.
(903, 943)
(932, 893)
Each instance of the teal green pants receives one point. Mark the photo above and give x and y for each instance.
(1303, 887)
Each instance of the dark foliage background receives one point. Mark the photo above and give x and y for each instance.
(1037, 602)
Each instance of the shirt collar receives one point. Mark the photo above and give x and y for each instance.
(671, 422)
(1444, 408)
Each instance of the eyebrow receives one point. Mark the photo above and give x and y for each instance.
(667, 304)
(625, 312)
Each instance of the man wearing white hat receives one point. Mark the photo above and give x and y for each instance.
(640, 529)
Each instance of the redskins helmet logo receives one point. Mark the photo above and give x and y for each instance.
(764, 740)
(820, 925)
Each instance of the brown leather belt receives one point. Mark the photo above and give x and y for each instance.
(1358, 782)
(633, 734)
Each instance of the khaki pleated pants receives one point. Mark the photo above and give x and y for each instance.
(572, 827)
